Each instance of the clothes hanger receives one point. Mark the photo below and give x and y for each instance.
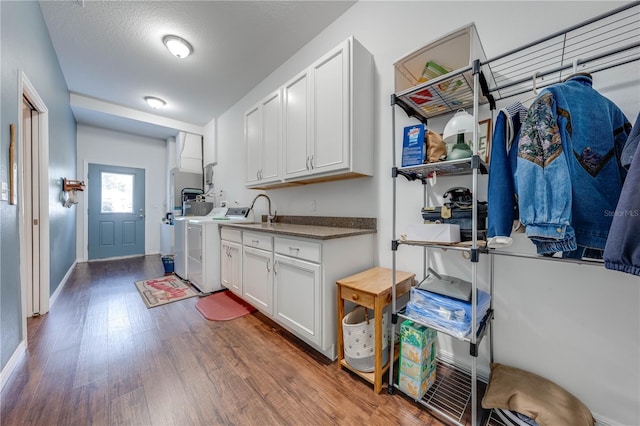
(535, 90)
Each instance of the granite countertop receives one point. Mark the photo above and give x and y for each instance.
(315, 227)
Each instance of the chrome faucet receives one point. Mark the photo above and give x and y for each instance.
(270, 217)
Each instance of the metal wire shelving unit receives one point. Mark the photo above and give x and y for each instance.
(606, 41)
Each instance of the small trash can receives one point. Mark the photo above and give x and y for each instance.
(167, 262)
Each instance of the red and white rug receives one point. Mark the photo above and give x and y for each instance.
(160, 291)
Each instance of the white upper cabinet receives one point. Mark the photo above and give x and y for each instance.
(330, 126)
(263, 134)
(297, 129)
(326, 121)
(189, 152)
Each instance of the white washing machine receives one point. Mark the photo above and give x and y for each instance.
(203, 248)
(181, 236)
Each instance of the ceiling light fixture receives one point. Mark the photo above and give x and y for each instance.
(155, 103)
(178, 47)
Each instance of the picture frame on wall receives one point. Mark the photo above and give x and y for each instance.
(484, 140)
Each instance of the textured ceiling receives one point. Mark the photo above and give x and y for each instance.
(113, 51)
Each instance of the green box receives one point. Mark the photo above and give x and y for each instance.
(416, 334)
(416, 388)
(417, 362)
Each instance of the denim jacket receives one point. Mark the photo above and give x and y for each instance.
(622, 252)
(502, 182)
(569, 170)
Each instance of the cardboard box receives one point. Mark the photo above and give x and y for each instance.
(416, 388)
(414, 149)
(434, 232)
(416, 334)
(416, 370)
(425, 355)
(417, 350)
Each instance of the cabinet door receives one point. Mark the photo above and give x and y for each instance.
(257, 279)
(253, 144)
(297, 300)
(271, 137)
(231, 266)
(296, 126)
(330, 111)
(194, 255)
(189, 152)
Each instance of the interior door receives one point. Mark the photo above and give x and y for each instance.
(31, 170)
(116, 217)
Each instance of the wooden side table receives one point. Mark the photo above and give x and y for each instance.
(371, 289)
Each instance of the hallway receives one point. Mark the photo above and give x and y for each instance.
(100, 357)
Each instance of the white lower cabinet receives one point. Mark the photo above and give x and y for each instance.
(257, 271)
(231, 266)
(292, 280)
(297, 296)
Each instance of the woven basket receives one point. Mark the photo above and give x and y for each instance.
(358, 331)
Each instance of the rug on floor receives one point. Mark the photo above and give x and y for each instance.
(223, 306)
(163, 290)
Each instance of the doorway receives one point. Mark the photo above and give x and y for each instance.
(33, 201)
(116, 215)
(30, 155)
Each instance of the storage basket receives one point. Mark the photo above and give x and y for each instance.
(358, 331)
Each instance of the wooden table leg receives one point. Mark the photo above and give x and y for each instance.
(340, 316)
(377, 385)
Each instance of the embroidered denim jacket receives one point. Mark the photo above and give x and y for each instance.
(569, 171)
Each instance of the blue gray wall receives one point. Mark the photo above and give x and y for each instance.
(26, 46)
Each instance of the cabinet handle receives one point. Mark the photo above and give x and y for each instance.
(311, 161)
(275, 267)
(255, 242)
(291, 249)
(307, 162)
(355, 297)
(268, 262)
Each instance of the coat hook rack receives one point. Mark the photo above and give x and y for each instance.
(72, 185)
(69, 189)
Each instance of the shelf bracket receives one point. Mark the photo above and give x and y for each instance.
(394, 318)
(411, 176)
(475, 162)
(394, 245)
(409, 110)
(485, 91)
(475, 255)
(473, 349)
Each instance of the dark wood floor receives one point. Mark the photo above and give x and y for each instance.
(100, 357)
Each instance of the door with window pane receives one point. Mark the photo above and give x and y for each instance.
(116, 211)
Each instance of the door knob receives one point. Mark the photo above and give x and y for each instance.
(141, 216)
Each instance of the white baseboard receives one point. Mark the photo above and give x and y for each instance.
(483, 372)
(56, 293)
(12, 363)
(603, 421)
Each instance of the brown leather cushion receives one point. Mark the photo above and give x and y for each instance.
(534, 396)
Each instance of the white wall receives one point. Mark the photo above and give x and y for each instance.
(577, 325)
(101, 146)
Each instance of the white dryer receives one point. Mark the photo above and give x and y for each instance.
(181, 224)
